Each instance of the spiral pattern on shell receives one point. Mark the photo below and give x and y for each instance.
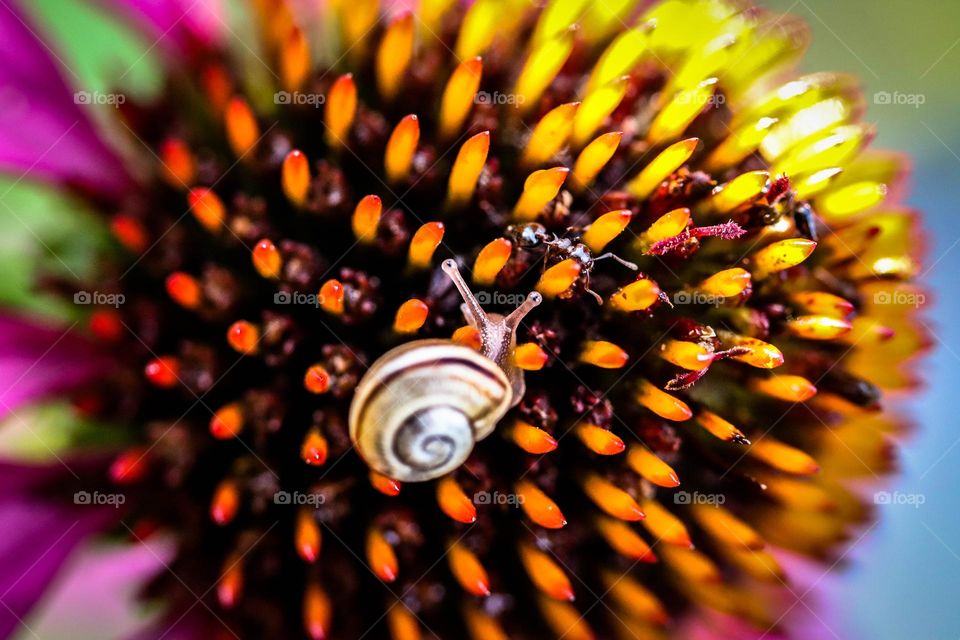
(419, 409)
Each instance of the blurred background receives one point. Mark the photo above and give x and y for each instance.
(902, 579)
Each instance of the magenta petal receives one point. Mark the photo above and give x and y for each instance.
(179, 23)
(38, 537)
(44, 134)
(36, 361)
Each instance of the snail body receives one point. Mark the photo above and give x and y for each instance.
(419, 409)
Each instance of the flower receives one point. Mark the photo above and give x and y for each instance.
(726, 292)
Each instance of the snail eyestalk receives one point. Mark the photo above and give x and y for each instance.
(498, 339)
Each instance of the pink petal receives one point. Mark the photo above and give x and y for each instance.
(44, 134)
(97, 593)
(180, 23)
(36, 361)
(38, 537)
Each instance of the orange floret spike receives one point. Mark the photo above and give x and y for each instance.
(243, 132)
(539, 188)
(393, 55)
(720, 428)
(227, 421)
(660, 167)
(243, 337)
(383, 484)
(559, 278)
(467, 168)
(603, 354)
(530, 357)
(317, 612)
(753, 352)
(665, 526)
(381, 556)
(454, 502)
(340, 110)
(179, 165)
(267, 259)
(539, 507)
(403, 623)
(331, 297)
(546, 574)
(818, 327)
(163, 371)
(130, 232)
(314, 449)
(468, 571)
(295, 177)
(184, 290)
(783, 457)
(307, 535)
(491, 259)
(612, 499)
(728, 283)
(593, 159)
(605, 228)
(366, 218)
(785, 387)
(411, 315)
(207, 208)
(226, 501)
(468, 337)
(425, 241)
(624, 540)
(781, 255)
(662, 403)
(599, 440)
(636, 296)
(400, 148)
(230, 584)
(727, 528)
(549, 135)
(294, 60)
(459, 95)
(316, 380)
(651, 468)
(532, 439)
(687, 355)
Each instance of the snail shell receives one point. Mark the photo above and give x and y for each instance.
(417, 412)
(421, 407)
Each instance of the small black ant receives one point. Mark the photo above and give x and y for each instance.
(533, 235)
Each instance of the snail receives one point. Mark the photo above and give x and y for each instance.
(419, 409)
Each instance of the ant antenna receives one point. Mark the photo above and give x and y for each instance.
(628, 265)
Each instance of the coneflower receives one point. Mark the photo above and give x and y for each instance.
(722, 284)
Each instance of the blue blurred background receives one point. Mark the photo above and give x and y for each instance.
(904, 577)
